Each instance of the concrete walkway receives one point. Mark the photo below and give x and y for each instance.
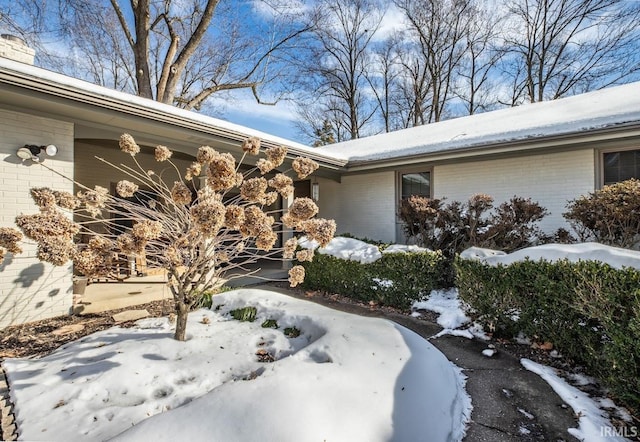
(510, 403)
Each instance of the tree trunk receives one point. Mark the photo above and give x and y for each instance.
(182, 312)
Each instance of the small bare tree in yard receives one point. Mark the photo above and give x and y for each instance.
(196, 234)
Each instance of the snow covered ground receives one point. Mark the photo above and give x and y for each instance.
(344, 378)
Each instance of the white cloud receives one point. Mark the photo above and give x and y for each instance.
(392, 22)
(271, 9)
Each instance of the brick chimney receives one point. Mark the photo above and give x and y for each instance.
(15, 48)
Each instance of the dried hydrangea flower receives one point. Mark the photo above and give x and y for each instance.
(130, 244)
(265, 166)
(255, 221)
(162, 153)
(239, 179)
(234, 217)
(193, 171)
(266, 239)
(101, 244)
(206, 154)
(221, 174)
(46, 224)
(283, 184)
(94, 199)
(276, 155)
(126, 189)
(301, 210)
(180, 193)
(209, 216)
(296, 275)
(253, 190)
(304, 166)
(270, 198)
(222, 256)
(128, 144)
(66, 200)
(56, 250)
(43, 197)
(147, 230)
(289, 248)
(320, 230)
(305, 255)
(9, 239)
(251, 145)
(87, 262)
(207, 193)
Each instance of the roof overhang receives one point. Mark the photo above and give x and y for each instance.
(602, 138)
(102, 113)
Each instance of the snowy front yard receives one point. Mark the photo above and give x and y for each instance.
(344, 377)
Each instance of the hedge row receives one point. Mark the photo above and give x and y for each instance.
(396, 279)
(588, 310)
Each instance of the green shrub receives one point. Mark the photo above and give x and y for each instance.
(205, 299)
(270, 323)
(610, 215)
(396, 279)
(588, 310)
(246, 314)
(292, 332)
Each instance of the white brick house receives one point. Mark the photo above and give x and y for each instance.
(38, 107)
(551, 152)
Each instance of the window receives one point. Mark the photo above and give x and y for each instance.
(418, 183)
(620, 166)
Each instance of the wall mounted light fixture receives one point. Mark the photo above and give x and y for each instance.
(315, 191)
(32, 152)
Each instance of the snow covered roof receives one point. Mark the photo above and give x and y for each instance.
(581, 115)
(28, 77)
(603, 109)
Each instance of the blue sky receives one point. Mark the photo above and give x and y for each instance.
(243, 109)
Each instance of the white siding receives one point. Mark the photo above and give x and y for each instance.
(31, 290)
(363, 205)
(91, 172)
(551, 180)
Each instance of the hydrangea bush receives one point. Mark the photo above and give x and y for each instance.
(196, 233)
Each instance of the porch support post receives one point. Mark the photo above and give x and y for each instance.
(286, 202)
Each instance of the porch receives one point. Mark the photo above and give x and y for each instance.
(137, 290)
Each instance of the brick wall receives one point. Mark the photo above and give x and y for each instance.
(15, 49)
(29, 289)
(363, 205)
(551, 179)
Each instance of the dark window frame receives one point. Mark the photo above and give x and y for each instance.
(610, 173)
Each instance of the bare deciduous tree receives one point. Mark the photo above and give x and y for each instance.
(479, 62)
(383, 78)
(338, 62)
(413, 101)
(175, 52)
(563, 47)
(439, 28)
